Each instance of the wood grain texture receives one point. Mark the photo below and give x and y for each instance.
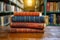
(50, 33)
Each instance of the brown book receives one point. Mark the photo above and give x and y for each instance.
(25, 30)
(27, 25)
(27, 13)
(54, 6)
(51, 6)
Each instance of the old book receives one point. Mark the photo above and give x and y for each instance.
(24, 30)
(27, 25)
(35, 19)
(27, 13)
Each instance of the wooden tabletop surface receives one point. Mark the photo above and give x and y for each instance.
(50, 33)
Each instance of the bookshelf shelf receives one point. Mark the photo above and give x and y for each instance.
(20, 1)
(53, 0)
(53, 12)
(5, 13)
(53, 25)
(47, 13)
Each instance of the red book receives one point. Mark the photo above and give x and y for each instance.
(48, 6)
(27, 13)
(25, 30)
(27, 25)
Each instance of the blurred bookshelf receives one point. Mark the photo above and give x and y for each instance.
(52, 10)
(7, 8)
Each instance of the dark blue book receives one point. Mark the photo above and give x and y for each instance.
(51, 19)
(37, 19)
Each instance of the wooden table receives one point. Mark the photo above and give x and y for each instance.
(51, 33)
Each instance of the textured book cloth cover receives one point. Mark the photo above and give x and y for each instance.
(25, 30)
(35, 19)
(27, 13)
(27, 25)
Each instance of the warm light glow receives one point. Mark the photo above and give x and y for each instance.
(29, 2)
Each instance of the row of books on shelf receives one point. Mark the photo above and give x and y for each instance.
(8, 7)
(53, 19)
(4, 19)
(53, 6)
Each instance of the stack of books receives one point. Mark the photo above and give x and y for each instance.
(27, 22)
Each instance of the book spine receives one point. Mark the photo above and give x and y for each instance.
(54, 6)
(52, 18)
(59, 6)
(4, 7)
(48, 6)
(47, 20)
(51, 6)
(37, 19)
(58, 19)
(8, 7)
(6, 19)
(1, 6)
(25, 30)
(27, 25)
(12, 8)
(27, 13)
